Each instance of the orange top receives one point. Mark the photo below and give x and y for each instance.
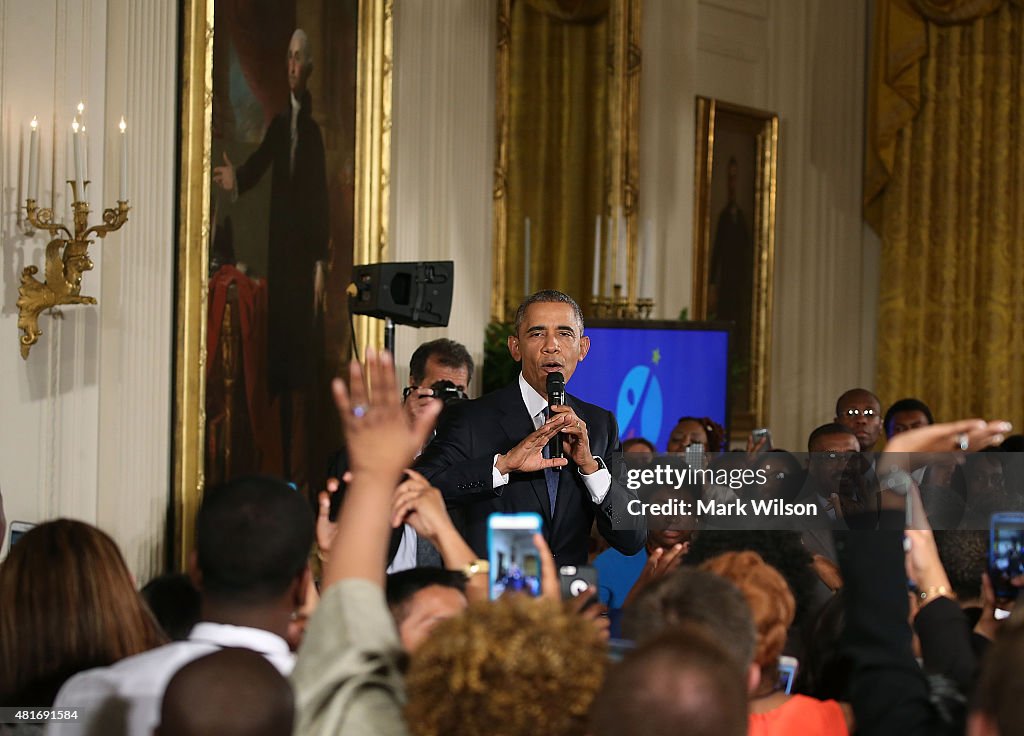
(802, 715)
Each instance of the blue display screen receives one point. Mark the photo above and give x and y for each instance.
(652, 375)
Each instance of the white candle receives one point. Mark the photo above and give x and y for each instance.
(122, 191)
(85, 155)
(84, 144)
(596, 289)
(621, 255)
(526, 259)
(79, 172)
(609, 263)
(647, 274)
(33, 161)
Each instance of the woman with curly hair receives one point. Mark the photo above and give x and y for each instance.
(693, 430)
(516, 667)
(772, 710)
(69, 604)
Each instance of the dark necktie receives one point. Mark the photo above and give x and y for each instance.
(551, 475)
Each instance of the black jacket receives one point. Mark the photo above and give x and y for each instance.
(460, 460)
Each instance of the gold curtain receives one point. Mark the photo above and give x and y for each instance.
(557, 133)
(952, 218)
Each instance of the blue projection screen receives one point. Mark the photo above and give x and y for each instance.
(651, 373)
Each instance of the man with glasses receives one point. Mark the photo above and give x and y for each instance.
(831, 448)
(861, 411)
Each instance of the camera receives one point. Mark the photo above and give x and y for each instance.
(448, 392)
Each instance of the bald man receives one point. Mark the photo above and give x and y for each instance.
(860, 411)
(232, 692)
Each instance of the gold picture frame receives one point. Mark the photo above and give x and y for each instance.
(622, 64)
(734, 260)
(370, 216)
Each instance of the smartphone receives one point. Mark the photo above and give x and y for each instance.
(695, 455)
(762, 433)
(788, 667)
(577, 578)
(1006, 552)
(619, 648)
(18, 529)
(514, 558)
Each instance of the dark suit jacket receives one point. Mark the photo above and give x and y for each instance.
(460, 460)
(299, 231)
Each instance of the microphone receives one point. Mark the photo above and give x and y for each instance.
(556, 397)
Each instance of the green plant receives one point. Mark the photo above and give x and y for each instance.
(499, 368)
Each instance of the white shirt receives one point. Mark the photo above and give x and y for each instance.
(125, 698)
(598, 483)
(294, 131)
(405, 555)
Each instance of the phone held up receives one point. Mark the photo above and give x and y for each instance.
(18, 529)
(762, 433)
(514, 558)
(576, 579)
(695, 455)
(1006, 553)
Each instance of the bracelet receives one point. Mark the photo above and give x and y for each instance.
(475, 567)
(934, 591)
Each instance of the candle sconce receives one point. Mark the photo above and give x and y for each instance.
(67, 258)
(620, 306)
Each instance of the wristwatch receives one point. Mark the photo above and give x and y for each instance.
(898, 481)
(475, 567)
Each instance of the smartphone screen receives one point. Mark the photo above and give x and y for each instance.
(514, 558)
(18, 529)
(787, 673)
(1006, 552)
(695, 455)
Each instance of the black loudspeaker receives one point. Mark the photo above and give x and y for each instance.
(417, 293)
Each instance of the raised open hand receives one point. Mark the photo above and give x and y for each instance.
(379, 436)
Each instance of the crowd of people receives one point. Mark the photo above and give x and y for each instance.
(371, 613)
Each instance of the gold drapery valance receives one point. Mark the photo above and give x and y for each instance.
(572, 11)
(894, 94)
(951, 297)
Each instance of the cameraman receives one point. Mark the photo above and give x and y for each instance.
(441, 361)
(435, 361)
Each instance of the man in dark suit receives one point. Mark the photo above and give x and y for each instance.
(293, 150)
(488, 455)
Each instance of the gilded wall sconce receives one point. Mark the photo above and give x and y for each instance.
(67, 254)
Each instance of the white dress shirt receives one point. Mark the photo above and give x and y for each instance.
(124, 699)
(598, 483)
(405, 555)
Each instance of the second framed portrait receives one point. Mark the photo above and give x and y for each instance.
(734, 243)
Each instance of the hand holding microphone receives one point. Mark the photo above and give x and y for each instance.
(576, 429)
(556, 397)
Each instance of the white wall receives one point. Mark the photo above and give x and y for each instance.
(805, 60)
(85, 427)
(443, 148)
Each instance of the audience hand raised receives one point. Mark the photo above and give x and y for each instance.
(379, 436)
(421, 506)
(659, 564)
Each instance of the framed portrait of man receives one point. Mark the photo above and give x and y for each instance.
(734, 243)
(285, 107)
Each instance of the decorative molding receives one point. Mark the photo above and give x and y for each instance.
(731, 48)
(753, 8)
